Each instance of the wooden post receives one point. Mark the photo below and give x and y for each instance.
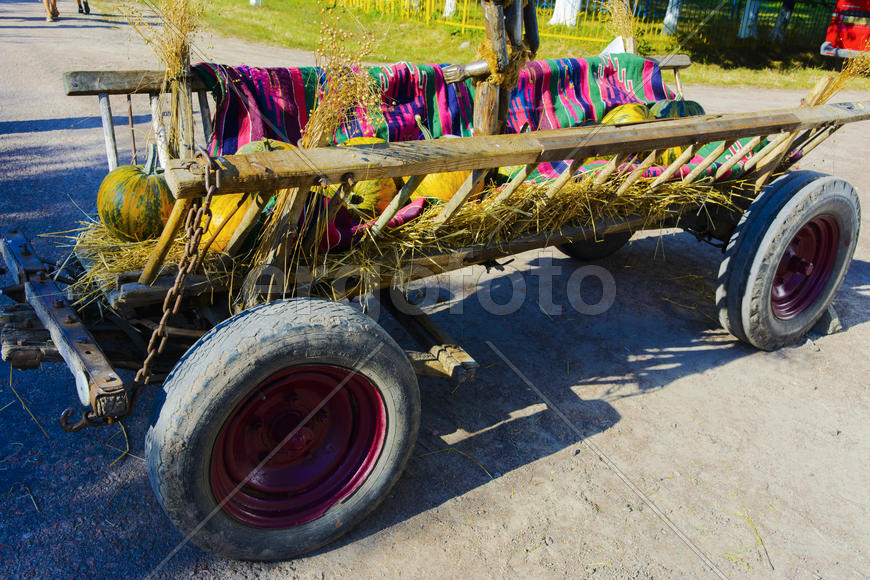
(205, 115)
(132, 131)
(158, 129)
(396, 203)
(465, 191)
(167, 237)
(636, 174)
(108, 131)
(752, 144)
(515, 182)
(673, 167)
(249, 220)
(771, 161)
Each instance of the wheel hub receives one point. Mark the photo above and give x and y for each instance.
(805, 267)
(302, 441)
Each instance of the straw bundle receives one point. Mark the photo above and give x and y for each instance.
(526, 212)
(622, 22)
(170, 39)
(853, 67)
(105, 257)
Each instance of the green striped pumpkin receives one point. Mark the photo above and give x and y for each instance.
(134, 201)
(674, 110)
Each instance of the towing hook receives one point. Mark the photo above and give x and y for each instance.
(78, 425)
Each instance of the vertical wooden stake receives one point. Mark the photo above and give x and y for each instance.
(158, 129)
(108, 131)
(158, 255)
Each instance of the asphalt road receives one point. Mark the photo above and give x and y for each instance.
(759, 460)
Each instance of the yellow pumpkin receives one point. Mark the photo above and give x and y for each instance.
(442, 186)
(225, 218)
(370, 197)
(629, 113)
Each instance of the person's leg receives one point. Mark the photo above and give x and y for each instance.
(48, 14)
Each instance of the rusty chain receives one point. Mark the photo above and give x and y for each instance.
(194, 228)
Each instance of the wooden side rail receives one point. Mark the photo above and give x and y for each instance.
(303, 168)
(88, 83)
(150, 82)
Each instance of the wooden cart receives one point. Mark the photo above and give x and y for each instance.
(280, 427)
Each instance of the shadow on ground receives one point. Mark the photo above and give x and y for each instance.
(662, 327)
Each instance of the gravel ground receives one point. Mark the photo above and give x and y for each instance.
(759, 460)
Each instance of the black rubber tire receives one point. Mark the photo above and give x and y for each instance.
(215, 376)
(591, 250)
(746, 274)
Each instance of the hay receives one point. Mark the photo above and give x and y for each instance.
(526, 212)
(170, 39)
(621, 22)
(105, 257)
(853, 67)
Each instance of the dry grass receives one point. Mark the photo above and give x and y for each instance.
(526, 212)
(622, 22)
(853, 68)
(170, 39)
(105, 258)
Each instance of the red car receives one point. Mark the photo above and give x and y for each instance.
(849, 32)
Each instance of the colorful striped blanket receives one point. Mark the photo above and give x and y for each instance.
(256, 103)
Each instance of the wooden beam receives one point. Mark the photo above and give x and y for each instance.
(82, 83)
(205, 115)
(244, 173)
(159, 130)
(515, 182)
(465, 191)
(669, 172)
(167, 237)
(396, 204)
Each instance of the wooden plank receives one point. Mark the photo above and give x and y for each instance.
(108, 131)
(113, 82)
(244, 173)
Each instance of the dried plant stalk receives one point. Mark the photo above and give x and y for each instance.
(171, 38)
(853, 67)
(622, 22)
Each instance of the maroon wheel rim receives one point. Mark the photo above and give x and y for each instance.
(805, 267)
(324, 460)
